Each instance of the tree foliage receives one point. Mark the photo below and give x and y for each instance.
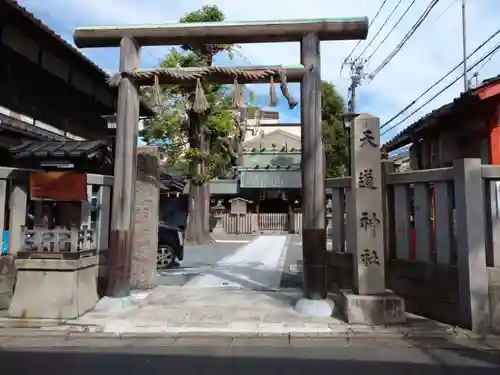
(204, 146)
(201, 146)
(335, 135)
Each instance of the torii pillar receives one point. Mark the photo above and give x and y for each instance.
(125, 174)
(315, 286)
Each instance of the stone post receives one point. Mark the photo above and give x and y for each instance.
(366, 193)
(471, 246)
(370, 303)
(147, 194)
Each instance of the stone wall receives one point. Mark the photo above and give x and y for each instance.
(7, 280)
(494, 294)
(102, 271)
(430, 290)
(340, 271)
(146, 218)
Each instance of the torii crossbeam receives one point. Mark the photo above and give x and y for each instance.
(224, 32)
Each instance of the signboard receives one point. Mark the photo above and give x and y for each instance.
(238, 206)
(59, 186)
(264, 179)
(271, 158)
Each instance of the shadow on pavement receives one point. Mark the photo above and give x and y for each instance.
(468, 348)
(243, 361)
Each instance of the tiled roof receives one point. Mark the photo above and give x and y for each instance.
(172, 182)
(27, 130)
(25, 148)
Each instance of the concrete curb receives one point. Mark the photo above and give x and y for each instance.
(37, 339)
(96, 332)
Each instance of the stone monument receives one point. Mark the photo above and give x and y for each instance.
(146, 218)
(370, 302)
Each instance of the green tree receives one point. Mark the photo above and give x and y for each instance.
(202, 146)
(335, 136)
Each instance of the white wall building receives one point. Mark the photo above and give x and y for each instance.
(256, 118)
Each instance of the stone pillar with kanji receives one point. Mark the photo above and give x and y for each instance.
(369, 302)
(366, 191)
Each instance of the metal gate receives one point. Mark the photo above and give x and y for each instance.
(273, 222)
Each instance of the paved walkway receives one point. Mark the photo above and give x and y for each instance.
(237, 312)
(238, 295)
(257, 265)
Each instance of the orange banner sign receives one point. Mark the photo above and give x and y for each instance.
(58, 186)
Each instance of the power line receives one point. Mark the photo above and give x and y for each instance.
(392, 29)
(401, 18)
(407, 37)
(445, 10)
(489, 54)
(441, 79)
(359, 41)
(485, 62)
(381, 28)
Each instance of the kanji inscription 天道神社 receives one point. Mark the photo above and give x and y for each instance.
(368, 138)
(369, 257)
(366, 179)
(366, 195)
(369, 221)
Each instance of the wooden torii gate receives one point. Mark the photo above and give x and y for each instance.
(309, 33)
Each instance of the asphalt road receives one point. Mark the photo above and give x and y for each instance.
(373, 360)
(196, 259)
(199, 258)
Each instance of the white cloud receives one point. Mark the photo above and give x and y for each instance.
(434, 49)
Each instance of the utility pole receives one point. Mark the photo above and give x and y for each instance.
(357, 70)
(357, 75)
(464, 46)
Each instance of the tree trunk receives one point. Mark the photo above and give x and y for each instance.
(197, 229)
(205, 191)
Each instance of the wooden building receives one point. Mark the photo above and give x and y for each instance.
(468, 127)
(269, 176)
(53, 106)
(48, 89)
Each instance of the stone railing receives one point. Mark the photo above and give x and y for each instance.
(59, 240)
(23, 247)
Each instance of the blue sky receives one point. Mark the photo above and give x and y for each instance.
(435, 48)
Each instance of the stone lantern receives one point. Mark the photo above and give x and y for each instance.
(329, 208)
(218, 211)
(328, 216)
